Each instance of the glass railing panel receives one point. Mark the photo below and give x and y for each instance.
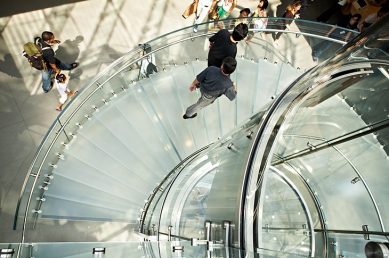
(349, 245)
(247, 76)
(360, 152)
(207, 189)
(286, 224)
(328, 174)
(41, 167)
(324, 117)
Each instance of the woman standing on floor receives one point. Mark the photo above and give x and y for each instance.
(224, 9)
(291, 12)
(259, 20)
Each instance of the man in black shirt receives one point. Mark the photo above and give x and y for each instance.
(52, 63)
(223, 44)
(213, 82)
(336, 32)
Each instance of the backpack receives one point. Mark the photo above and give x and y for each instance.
(33, 53)
(151, 68)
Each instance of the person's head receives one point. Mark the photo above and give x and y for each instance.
(355, 18)
(60, 77)
(228, 65)
(146, 48)
(240, 32)
(263, 4)
(48, 37)
(295, 6)
(79, 39)
(245, 12)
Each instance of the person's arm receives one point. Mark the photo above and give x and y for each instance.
(347, 36)
(231, 92)
(235, 89)
(212, 6)
(231, 9)
(360, 25)
(331, 30)
(55, 68)
(193, 86)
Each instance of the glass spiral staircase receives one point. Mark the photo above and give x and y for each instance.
(289, 169)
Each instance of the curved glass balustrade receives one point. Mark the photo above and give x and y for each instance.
(206, 197)
(314, 171)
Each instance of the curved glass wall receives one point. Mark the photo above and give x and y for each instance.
(316, 164)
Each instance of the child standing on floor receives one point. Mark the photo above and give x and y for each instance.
(62, 86)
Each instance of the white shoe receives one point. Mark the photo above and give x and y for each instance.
(277, 43)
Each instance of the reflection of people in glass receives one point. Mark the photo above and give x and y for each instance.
(336, 32)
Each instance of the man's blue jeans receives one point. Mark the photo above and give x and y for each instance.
(320, 48)
(46, 75)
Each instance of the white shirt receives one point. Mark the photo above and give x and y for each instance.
(145, 63)
(206, 2)
(372, 18)
(62, 87)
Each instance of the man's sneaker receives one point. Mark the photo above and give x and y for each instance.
(75, 65)
(51, 86)
(195, 28)
(186, 117)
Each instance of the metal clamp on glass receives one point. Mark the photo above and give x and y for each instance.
(197, 242)
(227, 228)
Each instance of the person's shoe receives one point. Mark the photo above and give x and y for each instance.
(75, 65)
(183, 16)
(58, 109)
(276, 42)
(314, 58)
(51, 86)
(186, 117)
(195, 28)
(298, 35)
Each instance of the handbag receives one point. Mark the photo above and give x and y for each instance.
(191, 9)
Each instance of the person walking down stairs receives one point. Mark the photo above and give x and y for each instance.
(213, 82)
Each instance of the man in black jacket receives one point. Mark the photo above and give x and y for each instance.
(223, 44)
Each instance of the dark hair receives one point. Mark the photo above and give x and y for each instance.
(229, 65)
(247, 10)
(60, 77)
(46, 35)
(357, 15)
(146, 47)
(240, 32)
(265, 4)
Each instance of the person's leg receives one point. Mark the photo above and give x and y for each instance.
(202, 12)
(46, 80)
(203, 101)
(320, 48)
(64, 66)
